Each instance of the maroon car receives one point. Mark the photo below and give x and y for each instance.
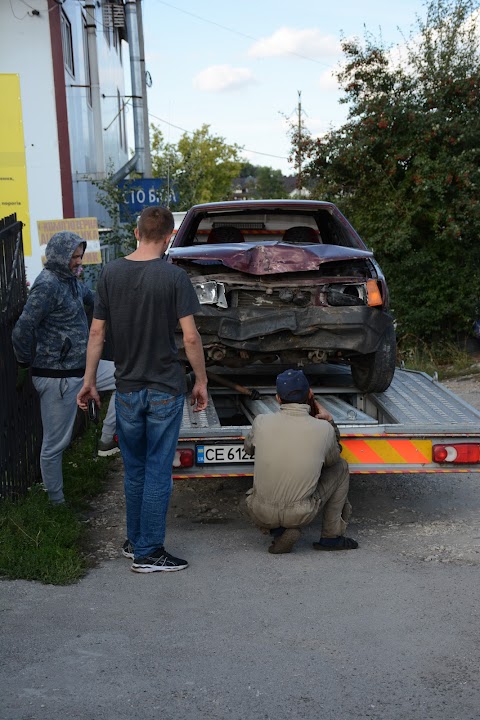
(288, 281)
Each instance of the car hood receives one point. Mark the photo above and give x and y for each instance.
(268, 258)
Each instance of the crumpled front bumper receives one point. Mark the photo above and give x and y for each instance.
(346, 329)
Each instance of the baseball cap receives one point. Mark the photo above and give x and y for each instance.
(292, 386)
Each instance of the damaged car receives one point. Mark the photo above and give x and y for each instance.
(287, 281)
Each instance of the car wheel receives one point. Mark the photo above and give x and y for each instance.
(374, 372)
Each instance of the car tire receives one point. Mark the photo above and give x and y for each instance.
(374, 372)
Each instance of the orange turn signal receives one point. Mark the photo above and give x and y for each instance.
(373, 293)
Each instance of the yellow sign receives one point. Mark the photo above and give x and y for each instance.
(87, 228)
(13, 165)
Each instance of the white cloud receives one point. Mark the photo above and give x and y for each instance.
(221, 78)
(309, 43)
(328, 80)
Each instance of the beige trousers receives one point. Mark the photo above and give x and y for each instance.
(332, 491)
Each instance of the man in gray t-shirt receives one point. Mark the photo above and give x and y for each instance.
(143, 298)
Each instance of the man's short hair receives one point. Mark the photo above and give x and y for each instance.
(155, 223)
(292, 386)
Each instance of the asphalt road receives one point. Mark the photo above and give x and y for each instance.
(389, 631)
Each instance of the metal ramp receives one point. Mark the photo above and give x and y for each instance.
(414, 398)
(205, 419)
(343, 413)
(413, 403)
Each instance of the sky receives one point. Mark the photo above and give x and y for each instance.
(238, 67)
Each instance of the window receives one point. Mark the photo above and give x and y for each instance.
(67, 44)
(107, 23)
(86, 56)
(113, 14)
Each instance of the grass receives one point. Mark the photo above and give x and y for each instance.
(447, 359)
(41, 541)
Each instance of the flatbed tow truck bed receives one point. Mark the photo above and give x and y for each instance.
(416, 426)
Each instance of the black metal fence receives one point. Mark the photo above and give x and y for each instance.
(20, 422)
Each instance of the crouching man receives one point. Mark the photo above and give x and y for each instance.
(298, 470)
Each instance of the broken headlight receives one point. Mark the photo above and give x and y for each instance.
(211, 293)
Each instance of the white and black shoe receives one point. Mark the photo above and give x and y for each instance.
(159, 561)
(127, 550)
(108, 447)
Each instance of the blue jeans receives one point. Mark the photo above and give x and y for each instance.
(148, 425)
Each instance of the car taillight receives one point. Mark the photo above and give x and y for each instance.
(183, 458)
(458, 453)
(373, 293)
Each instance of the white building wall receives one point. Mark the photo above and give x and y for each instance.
(86, 167)
(25, 50)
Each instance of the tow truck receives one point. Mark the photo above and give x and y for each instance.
(416, 426)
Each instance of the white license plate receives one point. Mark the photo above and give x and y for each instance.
(214, 454)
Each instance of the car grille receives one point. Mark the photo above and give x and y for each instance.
(257, 298)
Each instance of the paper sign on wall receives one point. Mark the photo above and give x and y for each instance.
(87, 228)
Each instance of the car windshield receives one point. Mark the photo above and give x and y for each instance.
(319, 227)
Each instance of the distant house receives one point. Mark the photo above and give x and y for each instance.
(243, 187)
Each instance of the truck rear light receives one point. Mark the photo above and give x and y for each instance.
(183, 458)
(373, 293)
(458, 453)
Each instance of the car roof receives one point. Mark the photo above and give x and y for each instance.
(246, 204)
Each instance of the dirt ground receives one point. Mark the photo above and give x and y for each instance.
(208, 501)
(218, 501)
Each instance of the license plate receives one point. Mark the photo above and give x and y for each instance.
(214, 454)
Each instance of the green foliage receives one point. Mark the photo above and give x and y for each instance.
(41, 541)
(201, 166)
(119, 238)
(405, 168)
(265, 182)
(269, 184)
(120, 235)
(447, 359)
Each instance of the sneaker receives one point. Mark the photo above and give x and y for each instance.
(284, 543)
(108, 447)
(127, 549)
(158, 561)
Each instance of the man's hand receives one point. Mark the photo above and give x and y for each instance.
(88, 392)
(199, 396)
(321, 413)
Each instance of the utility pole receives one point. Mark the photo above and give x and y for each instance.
(299, 141)
(146, 128)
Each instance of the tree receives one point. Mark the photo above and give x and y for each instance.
(405, 167)
(265, 181)
(201, 166)
(270, 183)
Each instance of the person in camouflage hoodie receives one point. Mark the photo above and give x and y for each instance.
(50, 338)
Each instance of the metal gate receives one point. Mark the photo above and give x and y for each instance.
(20, 422)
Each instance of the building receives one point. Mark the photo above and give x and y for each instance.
(63, 66)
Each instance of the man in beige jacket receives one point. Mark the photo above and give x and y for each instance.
(298, 470)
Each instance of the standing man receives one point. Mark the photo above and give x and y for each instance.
(298, 470)
(144, 298)
(50, 337)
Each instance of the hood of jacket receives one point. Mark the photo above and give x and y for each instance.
(59, 251)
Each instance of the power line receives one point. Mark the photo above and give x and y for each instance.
(237, 32)
(190, 132)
